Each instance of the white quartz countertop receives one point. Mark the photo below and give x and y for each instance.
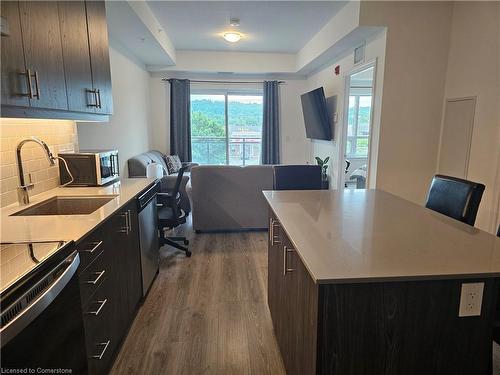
(371, 235)
(67, 227)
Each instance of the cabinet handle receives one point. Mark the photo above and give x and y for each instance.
(105, 344)
(286, 250)
(271, 230)
(37, 95)
(274, 239)
(98, 98)
(126, 228)
(96, 246)
(102, 303)
(30, 90)
(93, 91)
(129, 217)
(99, 275)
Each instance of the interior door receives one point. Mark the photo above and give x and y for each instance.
(41, 36)
(456, 137)
(14, 79)
(75, 47)
(99, 55)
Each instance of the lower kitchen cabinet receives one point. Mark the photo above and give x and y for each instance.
(110, 284)
(293, 303)
(365, 328)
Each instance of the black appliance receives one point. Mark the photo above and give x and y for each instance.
(41, 317)
(316, 115)
(90, 167)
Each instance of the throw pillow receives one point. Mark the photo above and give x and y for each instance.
(173, 163)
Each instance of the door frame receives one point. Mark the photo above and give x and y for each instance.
(345, 119)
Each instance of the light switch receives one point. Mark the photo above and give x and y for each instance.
(471, 299)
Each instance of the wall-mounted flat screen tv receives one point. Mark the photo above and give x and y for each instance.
(316, 115)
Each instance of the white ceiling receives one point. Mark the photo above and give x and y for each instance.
(268, 26)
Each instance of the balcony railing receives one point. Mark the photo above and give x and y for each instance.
(222, 150)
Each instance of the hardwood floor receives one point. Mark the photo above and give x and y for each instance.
(206, 314)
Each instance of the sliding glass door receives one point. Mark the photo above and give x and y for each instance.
(226, 127)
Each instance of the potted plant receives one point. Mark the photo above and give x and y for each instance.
(324, 167)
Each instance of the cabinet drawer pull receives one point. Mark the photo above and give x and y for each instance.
(129, 216)
(100, 355)
(99, 275)
(102, 303)
(270, 229)
(274, 239)
(96, 246)
(286, 269)
(128, 227)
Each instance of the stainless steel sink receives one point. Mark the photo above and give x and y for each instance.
(66, 205)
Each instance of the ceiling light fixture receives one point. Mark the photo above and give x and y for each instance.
(234, 21)
(232, 36)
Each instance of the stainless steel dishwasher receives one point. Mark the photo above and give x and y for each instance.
(148, 234)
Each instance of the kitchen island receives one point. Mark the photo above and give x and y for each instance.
(363, 282)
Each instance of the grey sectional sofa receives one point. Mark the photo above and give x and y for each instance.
(137, 168)
(229, 197)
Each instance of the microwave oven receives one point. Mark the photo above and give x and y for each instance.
(89, 167)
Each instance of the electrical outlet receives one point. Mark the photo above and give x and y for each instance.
(471, 299)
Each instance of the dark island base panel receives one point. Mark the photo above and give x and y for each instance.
(374, 328)
(409, 328)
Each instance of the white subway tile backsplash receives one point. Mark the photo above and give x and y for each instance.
(60, 135)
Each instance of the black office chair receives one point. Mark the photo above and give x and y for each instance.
(297, 177)
(455, 197)
(170, 215)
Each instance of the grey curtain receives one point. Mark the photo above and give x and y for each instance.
(180, 118)
(271, 124)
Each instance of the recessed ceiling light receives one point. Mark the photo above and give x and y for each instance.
(232, 36)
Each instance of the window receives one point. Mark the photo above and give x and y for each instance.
(358, 126)
(226, 127)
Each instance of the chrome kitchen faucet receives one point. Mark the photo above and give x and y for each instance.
(22, 190)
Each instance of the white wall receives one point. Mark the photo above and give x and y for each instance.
(335, 85)
(473, 70)
(418, 35)
(160, 114)
(293, 137)
(129, 129)
(294, 144)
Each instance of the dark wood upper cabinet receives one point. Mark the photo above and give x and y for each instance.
(43, 53)
(75, 47)
(99, 55)
(55, 60)
(14, 79)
